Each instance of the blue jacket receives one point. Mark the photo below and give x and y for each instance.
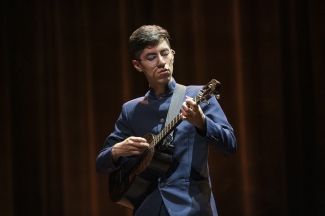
(187, 190)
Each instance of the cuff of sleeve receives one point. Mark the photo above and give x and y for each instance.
(104, 163)
(209, 127)
(200, 132)
(111, 165)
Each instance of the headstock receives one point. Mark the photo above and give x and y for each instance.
(209, 90)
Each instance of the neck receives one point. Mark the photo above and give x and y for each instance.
(159, 91)
(159, 88)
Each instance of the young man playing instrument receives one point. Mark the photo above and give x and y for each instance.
(184, 188)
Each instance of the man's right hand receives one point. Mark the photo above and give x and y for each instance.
(130, 146)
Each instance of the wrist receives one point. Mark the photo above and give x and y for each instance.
(202, 127)
(115, 155)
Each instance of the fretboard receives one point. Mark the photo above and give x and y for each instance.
(168, 128)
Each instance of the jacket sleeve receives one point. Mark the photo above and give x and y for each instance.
(219, 132)
(104, 162)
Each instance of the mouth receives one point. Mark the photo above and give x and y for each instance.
(164, 71)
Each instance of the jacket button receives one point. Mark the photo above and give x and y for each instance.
(162, 120)
(162, 184)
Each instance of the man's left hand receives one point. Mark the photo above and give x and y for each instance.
(193, 113)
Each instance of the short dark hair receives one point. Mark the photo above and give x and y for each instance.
(147, 36)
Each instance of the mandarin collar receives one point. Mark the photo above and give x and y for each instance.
(169, 89)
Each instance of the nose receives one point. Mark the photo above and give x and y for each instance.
(161, 60)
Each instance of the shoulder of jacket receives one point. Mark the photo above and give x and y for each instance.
(135, 101)
(194, 88)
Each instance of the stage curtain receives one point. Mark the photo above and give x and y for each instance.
(66, 71)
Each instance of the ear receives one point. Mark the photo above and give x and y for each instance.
(137, 65)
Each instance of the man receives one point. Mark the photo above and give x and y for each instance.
(185, 189)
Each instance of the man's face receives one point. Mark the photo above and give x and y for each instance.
(157, 64)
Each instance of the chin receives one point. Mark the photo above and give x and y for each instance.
(167, 80)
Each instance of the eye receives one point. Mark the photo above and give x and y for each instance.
(151, 58)
(165, 54)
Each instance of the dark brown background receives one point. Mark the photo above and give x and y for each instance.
(66, 70)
